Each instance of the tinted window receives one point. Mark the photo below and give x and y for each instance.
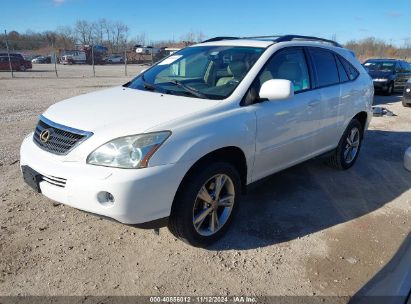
(351, 71)
(325, 67)
(289, 64)
(380, 65)
(405, 67)
(341, 71)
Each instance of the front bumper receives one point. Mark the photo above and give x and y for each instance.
(140, 195)
(381, 85)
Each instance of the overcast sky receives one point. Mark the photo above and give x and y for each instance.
(161, 19)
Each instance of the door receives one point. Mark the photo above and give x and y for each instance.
(327, 81)
(403, 73)
(285, 128)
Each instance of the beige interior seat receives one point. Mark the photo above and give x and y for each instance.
(235, 68)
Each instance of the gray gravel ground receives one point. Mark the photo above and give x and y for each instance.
(309, 230)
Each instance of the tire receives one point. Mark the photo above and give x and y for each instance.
(22, 68)
(343, 157)
(188, 207)
(407, 105)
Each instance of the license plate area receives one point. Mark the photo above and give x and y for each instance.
(32, 178)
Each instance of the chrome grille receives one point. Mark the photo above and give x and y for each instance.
(61, 139)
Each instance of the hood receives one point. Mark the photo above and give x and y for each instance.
(127, 109)
(380, 74)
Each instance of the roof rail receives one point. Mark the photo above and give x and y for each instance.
(308, 38)
(220, 38)
(277, 38)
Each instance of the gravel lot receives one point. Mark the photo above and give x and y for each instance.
(309, 230)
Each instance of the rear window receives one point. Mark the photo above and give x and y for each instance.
(341, 70)
(351, 71)
(325, 67)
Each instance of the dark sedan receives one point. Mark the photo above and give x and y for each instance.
(42, 59)
(389, 75)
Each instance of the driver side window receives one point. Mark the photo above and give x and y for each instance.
(289, 64)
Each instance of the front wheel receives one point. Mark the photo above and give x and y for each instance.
(348, 149)
(205, 204)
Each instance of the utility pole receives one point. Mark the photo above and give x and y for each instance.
(125, 60)
(55, 60)
(8, 54)
(92, 59)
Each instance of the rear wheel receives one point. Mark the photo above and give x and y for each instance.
(206, 203)
(22, 68)
(348, 149)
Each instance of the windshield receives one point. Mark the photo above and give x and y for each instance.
(211, 72)
(380, 66)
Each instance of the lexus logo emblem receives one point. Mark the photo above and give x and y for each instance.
(45, 135)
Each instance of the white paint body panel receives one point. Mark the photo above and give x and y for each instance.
(273, 135)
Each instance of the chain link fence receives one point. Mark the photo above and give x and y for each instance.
(44, 60)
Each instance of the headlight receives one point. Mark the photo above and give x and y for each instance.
(130, 152)
(380, 79)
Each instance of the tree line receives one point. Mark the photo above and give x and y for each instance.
(377, 48)
(112, 34)
(115, 36)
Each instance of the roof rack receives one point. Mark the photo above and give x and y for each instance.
(306, 38)
(220, 38)
(279, 38)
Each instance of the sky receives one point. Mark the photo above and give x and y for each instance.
(167, 19)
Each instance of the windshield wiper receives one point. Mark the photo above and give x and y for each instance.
(147, 85)
(189, 89)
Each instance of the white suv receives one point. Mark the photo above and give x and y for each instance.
(178, 144)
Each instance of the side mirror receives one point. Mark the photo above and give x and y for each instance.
(276, 89)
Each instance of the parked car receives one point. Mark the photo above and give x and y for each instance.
(406, 96)
(16, 63)
(389, 75)
(147, 50)
(392, 283)
(73, 57)
(115, 59)
(18, 55)
(67, 59)
(179, 144)
(42, 59)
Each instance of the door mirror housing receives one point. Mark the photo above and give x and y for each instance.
(276, 89)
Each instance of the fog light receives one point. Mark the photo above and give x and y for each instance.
(105, 198)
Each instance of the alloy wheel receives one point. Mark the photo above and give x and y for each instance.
(213, 204)
(352, 145)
